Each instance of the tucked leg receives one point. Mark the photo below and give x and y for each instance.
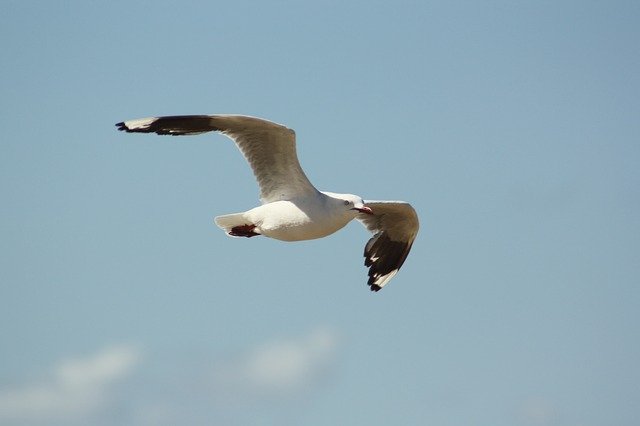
(243, 231)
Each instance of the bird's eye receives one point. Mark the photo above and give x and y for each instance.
(346, 202)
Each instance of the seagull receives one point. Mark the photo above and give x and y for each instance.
(292, 208)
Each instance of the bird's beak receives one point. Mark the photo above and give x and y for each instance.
(364, 209)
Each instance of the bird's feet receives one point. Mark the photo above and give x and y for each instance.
(243, 231)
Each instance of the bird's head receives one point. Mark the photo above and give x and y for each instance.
(352, 203)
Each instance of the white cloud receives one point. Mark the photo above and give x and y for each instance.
(271, 378)
(290, 364)
(279, 367)
(75, 389)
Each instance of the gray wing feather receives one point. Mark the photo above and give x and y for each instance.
(395, 226)
(269, 148)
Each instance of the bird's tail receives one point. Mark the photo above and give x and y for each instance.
(236, 225)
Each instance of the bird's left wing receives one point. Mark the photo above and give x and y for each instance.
(269, 148)
(395, 226)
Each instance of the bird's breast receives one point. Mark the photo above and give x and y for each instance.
(289, 221)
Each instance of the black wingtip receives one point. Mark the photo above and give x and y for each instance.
(122, 126)
(375, 287)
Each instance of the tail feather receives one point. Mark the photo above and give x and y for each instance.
(230, 221)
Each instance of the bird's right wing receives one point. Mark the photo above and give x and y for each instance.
(395, 226)
(269, 148)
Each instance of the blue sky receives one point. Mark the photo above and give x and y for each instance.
(512, 127)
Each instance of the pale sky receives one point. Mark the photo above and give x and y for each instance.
(512, 127)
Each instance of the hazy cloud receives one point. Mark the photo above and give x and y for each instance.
(74, 389)
(279, 367)
(537, 411)
(270, 379)
(289, 364)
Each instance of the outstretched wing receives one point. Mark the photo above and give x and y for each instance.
(269, 148)
(395, 226)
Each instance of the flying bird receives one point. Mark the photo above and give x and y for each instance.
(292, 208)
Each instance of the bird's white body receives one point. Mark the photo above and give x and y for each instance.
(304, 218)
